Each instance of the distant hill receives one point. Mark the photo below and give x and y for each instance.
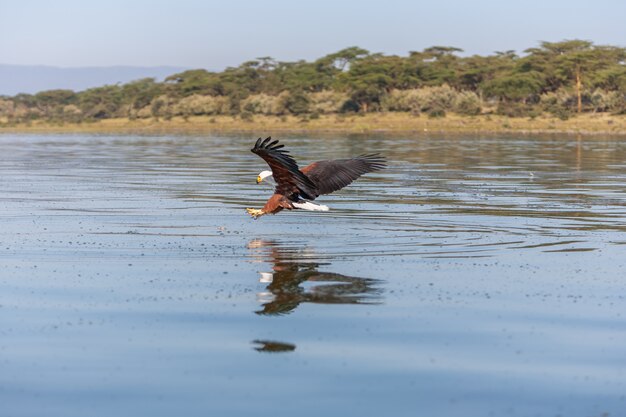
(15, 79)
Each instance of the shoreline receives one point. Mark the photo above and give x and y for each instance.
(372, 123)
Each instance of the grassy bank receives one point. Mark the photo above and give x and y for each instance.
(369, 123)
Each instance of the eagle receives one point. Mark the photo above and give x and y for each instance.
(296, 188)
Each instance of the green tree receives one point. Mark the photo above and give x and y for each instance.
(342, 59)
(138, 94)
(297, 103)
(304, 76)
(436, 65)
(572, 62)
(101, 102)
(476, 71)
(612, 78)
(198, 81)
(51, 102)
(556, 77)
(515, 87)
(368, 80)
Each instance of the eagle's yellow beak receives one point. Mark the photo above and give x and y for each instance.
(259, 179)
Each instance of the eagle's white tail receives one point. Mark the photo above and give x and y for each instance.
(307, 205)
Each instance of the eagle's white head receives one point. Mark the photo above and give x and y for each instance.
(262, 176)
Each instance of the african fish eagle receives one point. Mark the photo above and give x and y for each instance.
(295, 187)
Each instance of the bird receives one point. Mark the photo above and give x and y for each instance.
(296, 278)
(296, 188)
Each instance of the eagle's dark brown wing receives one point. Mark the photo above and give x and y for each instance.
(330, 176)
(289, 179)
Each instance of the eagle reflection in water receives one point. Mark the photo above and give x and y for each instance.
(295, 279)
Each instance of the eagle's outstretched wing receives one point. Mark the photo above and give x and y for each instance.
(289, 179)
(330, 176)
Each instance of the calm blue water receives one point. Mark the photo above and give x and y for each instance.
(474, 277)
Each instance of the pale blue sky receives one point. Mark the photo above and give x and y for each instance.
(216, 34)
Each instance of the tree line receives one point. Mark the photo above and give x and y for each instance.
(560, 78)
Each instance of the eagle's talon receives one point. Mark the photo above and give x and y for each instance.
(255, 213)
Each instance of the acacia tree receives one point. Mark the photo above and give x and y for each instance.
(368, 80)
(197, 81)
(524, 86)
(436, 65)
(476, 71)
(51, 102)
(343, 59)
(305, 76)
(140, 93)
(573, 61)
(101, 102)
(612, 78)
(552, 71)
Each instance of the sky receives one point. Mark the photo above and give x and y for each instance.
(215, 34)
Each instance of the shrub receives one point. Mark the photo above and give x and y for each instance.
(435, 101)
(196, 105)
(71, 109)
(71, 113)
(439, 98)
(297, 102)
(7, 108)
(559, 103)
(246, 116)
(264, 104)
(161, 106)
(404, 100)
(607, 101)
(350, 106)
(326, 102)
(436, 112)
(467, 103)
(517, 109)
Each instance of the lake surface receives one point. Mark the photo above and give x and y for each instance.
(476, 276)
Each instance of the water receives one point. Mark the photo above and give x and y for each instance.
(474, 277)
